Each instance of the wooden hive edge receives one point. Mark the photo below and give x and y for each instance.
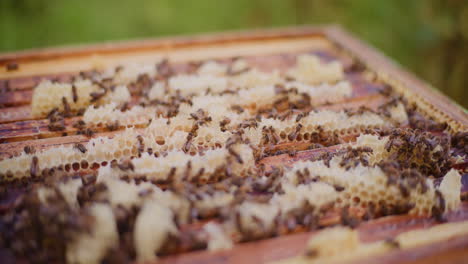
(162, 43)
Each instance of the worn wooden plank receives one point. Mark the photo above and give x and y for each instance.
(16, 113)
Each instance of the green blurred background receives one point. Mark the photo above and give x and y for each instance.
(429, 37)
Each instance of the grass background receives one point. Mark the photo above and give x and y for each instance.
(429, 37)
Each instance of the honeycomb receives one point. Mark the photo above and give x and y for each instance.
(210, 137)
(324, 92)
(217, 106)
(92, 247)
(334, 242)
(326, 120)
(156, 135)
(184, 165)
(159, 168)
(129, 72)
(111, 113)
(254, 78)
(294, 197)
(259, 96)
(196, 84)
(69, 190)
(338, 244)
(363, 186)
(153, 224)
(158, 91)
(450, 189)
(212, 68)
(217, 200)
(250, 211)
(48, 95)
(121, 193)
(310, 69)
(315, 194)
(218, 240)
(119, 95)
(398, 114)
(99, 150)
(376, 143)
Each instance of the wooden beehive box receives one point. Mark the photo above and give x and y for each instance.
(267, 49)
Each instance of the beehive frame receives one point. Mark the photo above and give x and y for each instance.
(18, 129)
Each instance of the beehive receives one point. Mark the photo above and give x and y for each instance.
(169, 156)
